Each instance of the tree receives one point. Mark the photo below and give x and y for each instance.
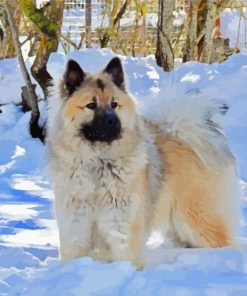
(209, 28)
(7, 48)
(35, 130)
(214, 8)
(88, 16)
(114, 12)
(164, 50)
(191, 45)
(201, 42)
(48, 22)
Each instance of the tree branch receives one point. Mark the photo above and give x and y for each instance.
(35, 130)
(121, 12)
(38, 17)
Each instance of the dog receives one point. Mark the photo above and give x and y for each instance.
(119, 176)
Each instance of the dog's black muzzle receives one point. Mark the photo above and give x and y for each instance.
(105, 127)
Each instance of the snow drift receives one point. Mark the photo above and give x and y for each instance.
(28, 243)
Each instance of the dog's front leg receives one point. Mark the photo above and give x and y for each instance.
(123, 232)
(75, 235)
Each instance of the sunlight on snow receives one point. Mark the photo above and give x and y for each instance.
(5, 167)
(18, 211)
(37, 237)
(155, 89)
(19, 151)
(155, 240)
(30, 184)
(153, 74)
(190, 77)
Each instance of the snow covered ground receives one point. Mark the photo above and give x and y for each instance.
(28, 232)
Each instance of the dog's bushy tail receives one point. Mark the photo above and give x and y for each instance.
(195, 118)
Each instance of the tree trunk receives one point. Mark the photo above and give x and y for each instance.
(193, 54)
(193, 32)
(164, 50)
(35, 130)
(6, 45)
(48, 20)
(209, 32)
(88, 13)
(39, 68)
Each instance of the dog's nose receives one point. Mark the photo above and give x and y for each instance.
(111, 120)
(105, 127)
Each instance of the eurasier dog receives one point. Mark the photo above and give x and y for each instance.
(118, 177)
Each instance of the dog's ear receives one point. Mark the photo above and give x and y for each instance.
(115, 70)
(73, 76)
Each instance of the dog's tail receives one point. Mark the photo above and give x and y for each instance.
(193, 117)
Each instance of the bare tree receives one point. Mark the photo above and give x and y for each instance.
(164, 50)
(35, 130)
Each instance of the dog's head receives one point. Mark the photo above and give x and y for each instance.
(97, 107)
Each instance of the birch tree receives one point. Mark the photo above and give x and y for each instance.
(164, 50)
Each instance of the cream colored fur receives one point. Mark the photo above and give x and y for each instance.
(198, 203)
(103, 193)
(175, 174)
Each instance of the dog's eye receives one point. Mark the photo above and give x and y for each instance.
(92, 106)
(114, 105)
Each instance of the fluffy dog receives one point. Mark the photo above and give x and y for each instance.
(118, 176)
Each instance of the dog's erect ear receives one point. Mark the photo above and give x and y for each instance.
(73, 76)
(115, 70)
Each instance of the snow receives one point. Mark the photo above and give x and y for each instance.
(234, 27)
(29, 262)
(17, 211)
(179, 17)
(191, 77)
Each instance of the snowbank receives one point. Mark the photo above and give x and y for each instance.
(28, 242)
